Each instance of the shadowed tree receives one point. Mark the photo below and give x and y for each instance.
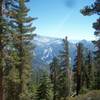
(79, 69)
(89, 70)
(21, 29)
(54, 74)
(4, 37)
(1, 52)
(44, 89)
(64, 77)
(87, 11)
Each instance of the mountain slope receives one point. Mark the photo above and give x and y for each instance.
(47, 48)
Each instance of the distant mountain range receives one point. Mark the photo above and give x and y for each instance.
(46, 48)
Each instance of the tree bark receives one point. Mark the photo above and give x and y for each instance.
(78, 70)
(1, 55)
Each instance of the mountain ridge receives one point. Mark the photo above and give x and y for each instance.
(47, 48)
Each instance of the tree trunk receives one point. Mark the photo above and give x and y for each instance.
(1, 84)
(78, 70)
(1, 55)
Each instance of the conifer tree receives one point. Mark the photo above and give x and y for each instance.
(64, 76)
(12, 84)
(90, 10)
(54, 74)
(4, 38)
(74, 77)
(90, 70)
(10, 73)
(79, 66)
(44, 89)
(1, 52)
(21, 26)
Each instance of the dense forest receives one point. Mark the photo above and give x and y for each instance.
(63, 80)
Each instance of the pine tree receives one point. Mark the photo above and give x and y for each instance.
(44, 89)
(4, 39)
(21, 29)
(54, 73)
(90, 10)
(79, 75)
(74, 77)
(90, 70)
(12, 84)
(64, 76)
(11, 74)
(1, 53)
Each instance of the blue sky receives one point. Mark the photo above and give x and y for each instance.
(57, 19)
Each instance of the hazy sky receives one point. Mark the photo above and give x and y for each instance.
(60, 18)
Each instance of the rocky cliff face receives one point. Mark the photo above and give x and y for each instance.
(46, 48)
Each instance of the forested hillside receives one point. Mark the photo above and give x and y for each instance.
(39, 68)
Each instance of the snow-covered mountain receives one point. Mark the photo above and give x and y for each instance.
(46, 48)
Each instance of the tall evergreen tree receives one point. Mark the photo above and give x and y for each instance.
(4, 38)
(80, 69)
(89, 70)
(64, 77)
(44, 89)
(90, 10)
(21, 26)
(10, 74)
(1, 52)
(54, 74)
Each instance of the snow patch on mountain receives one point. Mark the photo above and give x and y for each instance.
(48, 54)
(47, 48)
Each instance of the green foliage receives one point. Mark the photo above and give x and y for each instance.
(80, 70)
(95, 9)
(83, 70)
(84, 90)
(90, 70)
(54, 74)
(92, 95)
(32, 90)
(18, 70)
(16, 60)
(44, 91)
(4, 41)
(65, 72)
(12, 85)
